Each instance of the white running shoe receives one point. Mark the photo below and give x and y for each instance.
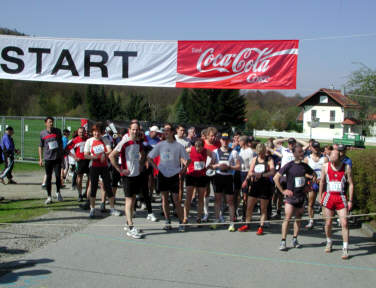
(205, 218)
(114, 212)
(92, 213)
(345, 254)
(59, 197)
(295, 243)
(283, 247)
(309, 225)
(151, 217)
(134, 233)
(48, 201)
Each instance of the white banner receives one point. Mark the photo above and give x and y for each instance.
(109, 62)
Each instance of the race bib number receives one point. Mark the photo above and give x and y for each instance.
(290, 158)
(167, 156)
(199, 165)
(260, 168)
(53, 145)
(99, 149)
(318, 173)
(335, 186)
(82, 147)
(299, 182)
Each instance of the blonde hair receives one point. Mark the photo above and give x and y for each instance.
(260, 148)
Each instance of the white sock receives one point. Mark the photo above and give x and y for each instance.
(345, 245)
(329, 240)
(206, 205)
(92, 209)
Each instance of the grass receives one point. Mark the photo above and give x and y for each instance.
(26, 167)
(14, 211)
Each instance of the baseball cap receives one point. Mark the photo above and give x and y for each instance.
(316, 144)
(341, 147)
(225, 136)
(291, 141)
(154, 129)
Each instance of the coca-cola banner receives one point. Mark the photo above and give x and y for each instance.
(238, 64)
(195, 64)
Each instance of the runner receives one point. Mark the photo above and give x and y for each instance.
(246, 155)
(82, 164)
(226, 161)
(196, 178)
(179, 136)
(192, 135)
(261, 168)
(335, 175)
(97, 149)
(132, 158)
(315, 160)
(64, 163)
(171, 155)
(327, 150)
(8, 151)
(210, 144)
(296, 172)
(52, 146)
(342, 154)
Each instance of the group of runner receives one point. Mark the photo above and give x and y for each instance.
(240, 172)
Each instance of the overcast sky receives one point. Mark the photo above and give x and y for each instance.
(321, 62)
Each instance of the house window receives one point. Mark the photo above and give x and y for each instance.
(331, 126)
(332, 115)
(350, 114)
(323, 99)
(313, 114)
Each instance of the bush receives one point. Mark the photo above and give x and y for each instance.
(364, 177)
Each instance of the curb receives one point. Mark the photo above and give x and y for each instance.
(369, 230)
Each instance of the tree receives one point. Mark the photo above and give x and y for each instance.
(137, 107)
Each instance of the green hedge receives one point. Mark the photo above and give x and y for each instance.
(364, 173)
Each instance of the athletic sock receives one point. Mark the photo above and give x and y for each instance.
(206, 205)
(345, 245)
(329, 240)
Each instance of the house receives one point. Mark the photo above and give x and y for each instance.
(372, 127)
(329, 114)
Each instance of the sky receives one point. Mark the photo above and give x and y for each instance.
(322, 60)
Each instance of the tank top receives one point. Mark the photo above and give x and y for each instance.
(98, 147)
(197, 166)
(316, 166)
(336, 180)
(224, 157)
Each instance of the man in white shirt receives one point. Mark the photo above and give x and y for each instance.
(172, 154)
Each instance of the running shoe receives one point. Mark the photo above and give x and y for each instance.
(103, 207)
(151, 217)
(244, 228)
(80, 198)
(44, 186)
(181, 228)
(276, 216)
(309, 225)
(92, 213)
(260, 231)
(167, 226)
(85, 206)
(328, 247)
(11, 181)
(126, 228)
(198, 221)
(114, 212)
(214, 226)
(2, 181)
(231, 228)
(283, 247)
(295, 243)
(345, 254)
(205, 218)
(59, 197)
(134, 233)
(48, 201)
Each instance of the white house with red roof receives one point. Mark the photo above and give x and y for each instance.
(329, 113)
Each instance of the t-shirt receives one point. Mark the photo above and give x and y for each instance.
(65, 141)
(347, 161)
(96, 147)
(287, 155)
(78, 144)
(245, 156)
(7, 145)
(228, 157)
(170, 155)
(52, 145)
(211, 147)
(153, 141)
(130, 155)
(295, 177)
(183, 141)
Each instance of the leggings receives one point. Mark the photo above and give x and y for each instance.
(8, 168)
(104, 172)
(53, 165)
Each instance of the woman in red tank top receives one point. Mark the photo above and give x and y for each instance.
(196, 178)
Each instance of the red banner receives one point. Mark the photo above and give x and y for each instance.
(270, 64)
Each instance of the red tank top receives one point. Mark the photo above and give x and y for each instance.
(98, 147)
(197, 167)
(336, 180)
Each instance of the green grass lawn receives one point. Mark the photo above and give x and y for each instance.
(27, 167)
(14, 211)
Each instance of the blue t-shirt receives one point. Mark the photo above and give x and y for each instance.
(347, 161)
(7, 144)
(153, 141)
(65, 141)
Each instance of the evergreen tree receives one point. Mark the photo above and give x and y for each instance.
(137, 107)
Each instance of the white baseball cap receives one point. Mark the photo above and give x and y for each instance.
(154, 129)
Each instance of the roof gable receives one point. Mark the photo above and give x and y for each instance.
(335, 95)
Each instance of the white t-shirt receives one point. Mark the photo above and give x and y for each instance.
(130, 155)
(183, 141)
(170, 155)
(287, 156)
(245, 156)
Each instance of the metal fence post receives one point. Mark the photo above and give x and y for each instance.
(22, 137)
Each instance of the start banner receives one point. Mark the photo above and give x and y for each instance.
(270, 64)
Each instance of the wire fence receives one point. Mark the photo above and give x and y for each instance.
(27, 132)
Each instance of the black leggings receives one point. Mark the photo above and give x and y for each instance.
(145, 191)
(53, 165)
(104, 172)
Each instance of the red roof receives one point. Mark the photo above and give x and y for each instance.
(350, 121)
(337, 96)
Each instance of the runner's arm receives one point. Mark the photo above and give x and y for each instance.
(276, 178)
(322, 181)
(351, 185)
(271, 171)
